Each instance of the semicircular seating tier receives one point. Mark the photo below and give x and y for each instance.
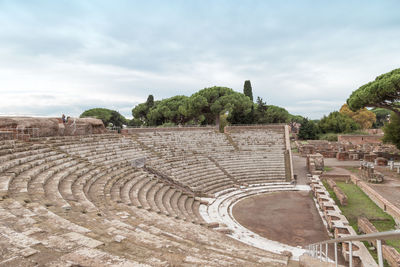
(80, 200)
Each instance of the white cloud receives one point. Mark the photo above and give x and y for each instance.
(64, 57)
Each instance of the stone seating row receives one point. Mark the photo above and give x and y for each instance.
(111, 236)
(178, 148)
(189, 169)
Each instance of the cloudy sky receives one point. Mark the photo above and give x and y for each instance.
(307, 56)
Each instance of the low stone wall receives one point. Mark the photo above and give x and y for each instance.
(336, 177)
(360, 139)
(232, 128)
(127, 131)
(389, 253)
(365, 226)
(339, 193)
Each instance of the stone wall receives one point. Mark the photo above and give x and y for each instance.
(50, 126)
(389, 253)
(360, 139)
(341, 196)
(127, 131)
(315, 163)
(336, 177)
(232, 128)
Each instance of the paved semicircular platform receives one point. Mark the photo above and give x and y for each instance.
(220, 210)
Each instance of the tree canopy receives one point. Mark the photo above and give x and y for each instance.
(308, 130)
(363, 117)
(383, 92)
(337, 122)
(247, 90)
(206, 107)
(382, 116)
(108, 116)
(392, 131)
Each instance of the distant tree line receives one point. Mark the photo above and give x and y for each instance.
(222, 105)
(206, 107)
(382, 94)
(108, 116)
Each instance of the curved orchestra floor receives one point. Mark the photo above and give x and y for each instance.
(287, 217)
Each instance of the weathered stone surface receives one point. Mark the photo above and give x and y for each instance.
(381, 161)
(82, 126)
(46, 126)
(340, 195)
(50, 126)
(315, 163)
(391, 255)
(366, 226)
(331, 183)
(308, 261)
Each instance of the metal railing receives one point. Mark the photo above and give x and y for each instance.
(315, 250)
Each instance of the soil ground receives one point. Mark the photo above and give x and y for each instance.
(288, 217)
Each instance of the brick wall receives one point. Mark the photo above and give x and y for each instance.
(360, 139)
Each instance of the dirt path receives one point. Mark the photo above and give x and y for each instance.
(287, 217)
(299, 168)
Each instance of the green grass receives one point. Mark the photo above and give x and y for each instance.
(357, 133)
(327, 169)
(359, 204)
(329, 137)
(352, 169)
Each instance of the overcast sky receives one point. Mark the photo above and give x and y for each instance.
(307, 56)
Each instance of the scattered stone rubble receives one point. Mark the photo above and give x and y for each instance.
(348, 151)
(368, 173)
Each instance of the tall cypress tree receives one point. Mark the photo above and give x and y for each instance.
(247, 90)
(150, 101)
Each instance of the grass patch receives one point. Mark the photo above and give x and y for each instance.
(332, 137)
(355, 170)
(304, 142)
(357, 133)
(359, 204)
(295, 150)
(327, 169)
